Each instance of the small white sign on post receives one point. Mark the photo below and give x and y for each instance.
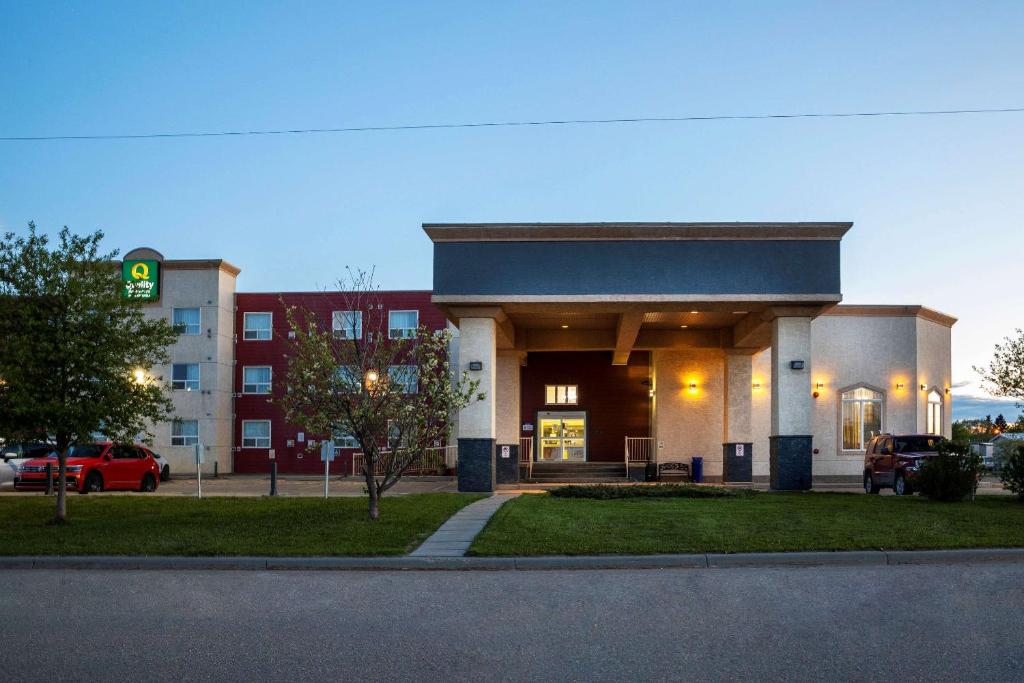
(200, 456)
(740, 450)
(326, 455)
(506, 452)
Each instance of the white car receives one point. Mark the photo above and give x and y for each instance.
(165, 469)
(15, 455)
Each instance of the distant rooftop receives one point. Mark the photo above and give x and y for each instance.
(535, 232)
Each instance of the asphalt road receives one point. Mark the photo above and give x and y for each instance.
(957, 622)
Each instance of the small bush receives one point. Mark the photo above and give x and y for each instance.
(609, 492)
(952, 475)
(1012, 471)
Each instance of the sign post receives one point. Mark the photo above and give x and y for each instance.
(327, 455)
(200, 454)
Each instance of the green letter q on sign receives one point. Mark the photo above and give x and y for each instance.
(141, 279)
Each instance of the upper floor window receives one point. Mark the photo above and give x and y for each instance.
(861, 417)
(257, 326)
(403, 324)
(561, 394)
(185, 376)
(256, 380)
(255, 433)
(347, 324)
(404, 376)
(187, 320)
(184, 432)
(934, 415)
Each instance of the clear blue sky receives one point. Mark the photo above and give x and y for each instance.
(938, 203)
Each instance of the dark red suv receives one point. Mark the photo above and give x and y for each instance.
(894, 460)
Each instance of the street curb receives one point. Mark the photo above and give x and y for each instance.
(869, 558)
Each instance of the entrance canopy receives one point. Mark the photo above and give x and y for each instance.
(644, 286)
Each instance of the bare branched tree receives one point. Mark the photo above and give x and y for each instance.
(392, 390)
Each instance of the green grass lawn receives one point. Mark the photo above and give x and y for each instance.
(137, 525)
(541, 524)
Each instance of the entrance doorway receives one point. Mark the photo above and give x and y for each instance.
(563, 437)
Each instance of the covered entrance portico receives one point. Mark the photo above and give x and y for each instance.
(675, 313)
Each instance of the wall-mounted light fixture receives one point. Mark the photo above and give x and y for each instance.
(565, 327)
(796, 365)
(756, 385)
(947, 390)
(693, 386)
(899, 385)
(683, 327)
(923, 387)
(650, 392)
(819, 385)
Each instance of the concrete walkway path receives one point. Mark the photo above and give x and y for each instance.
(454, 537)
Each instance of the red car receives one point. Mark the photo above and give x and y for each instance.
(95, 467)
(893, 461)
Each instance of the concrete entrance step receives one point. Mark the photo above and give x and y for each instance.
(577, 480)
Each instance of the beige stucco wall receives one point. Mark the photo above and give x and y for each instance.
(507, 396)
(761, 411)
(878, 351)
(934, 370)
(212, 290)
(477, 343)
(689, 422)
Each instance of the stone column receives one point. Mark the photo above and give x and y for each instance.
(506, 394)
(477, 429)
(738, 448)
(790, 440)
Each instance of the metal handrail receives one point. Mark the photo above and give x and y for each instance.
(433, 459)
(638, 449)
(526, 455)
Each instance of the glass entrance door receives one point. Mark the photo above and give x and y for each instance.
(563, 437)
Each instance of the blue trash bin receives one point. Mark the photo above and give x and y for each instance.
(697, 469)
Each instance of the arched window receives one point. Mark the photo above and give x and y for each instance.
(934, 415)
(861, 416)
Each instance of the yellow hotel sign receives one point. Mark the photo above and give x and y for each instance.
(141, 279)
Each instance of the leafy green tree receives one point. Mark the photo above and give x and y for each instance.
(343, 381)
(1004, 375)
(74, 352)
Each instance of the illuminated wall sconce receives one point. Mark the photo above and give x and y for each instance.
(947, 390)
(899, 385)
(693, 386)
(819, 385)
(756, 386)
(650, 392)
(923, 387)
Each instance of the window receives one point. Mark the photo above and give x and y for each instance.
(185, 376)
(561, 394)
(934, 416)
(187, 320)
(861, 417)
(184, 432)
(343, 439)
(256, 380)
(348, 376)
(255, 433)
(405, 376)
(347, 324)
(256, 326)
(403, 324)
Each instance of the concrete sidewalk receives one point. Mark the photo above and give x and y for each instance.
(868, 558)
(453, 538)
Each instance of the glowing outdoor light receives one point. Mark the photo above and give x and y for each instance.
(140, 376)
(371, 378)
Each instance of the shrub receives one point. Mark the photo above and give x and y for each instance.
(609, 492)
(951, 475)
(1012, 471)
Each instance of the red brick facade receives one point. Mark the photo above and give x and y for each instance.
(293, 458)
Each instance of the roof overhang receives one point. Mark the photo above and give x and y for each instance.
(560, 232)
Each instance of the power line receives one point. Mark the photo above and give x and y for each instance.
(509, 124)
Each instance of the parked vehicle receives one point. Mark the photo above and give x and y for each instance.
(165, 469)
(95, 467)
(17, 454)
(894, 461)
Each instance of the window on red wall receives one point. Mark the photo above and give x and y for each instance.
(561, 394)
